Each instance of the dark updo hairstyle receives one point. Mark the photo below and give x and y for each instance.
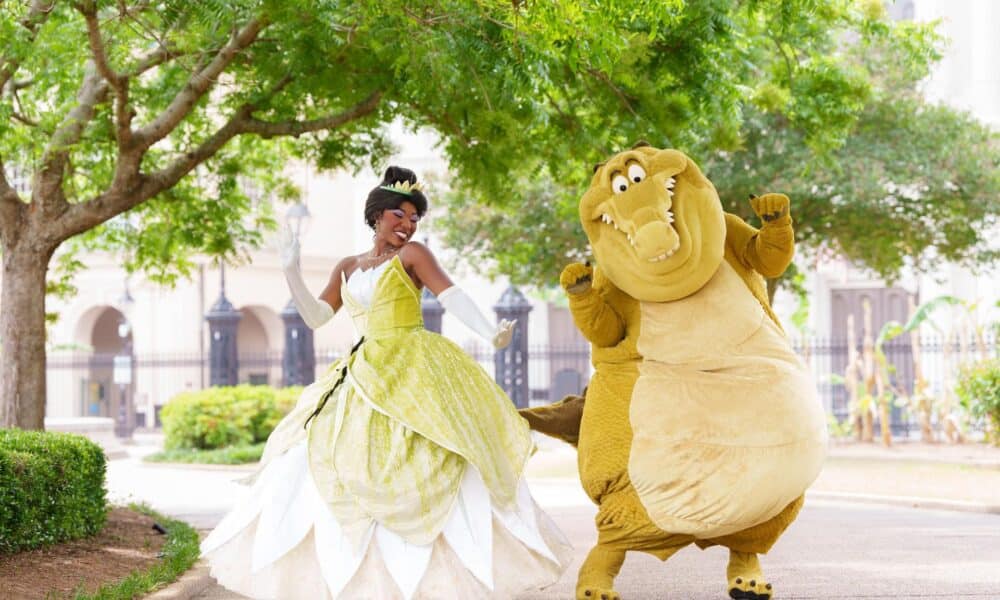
(380, 199)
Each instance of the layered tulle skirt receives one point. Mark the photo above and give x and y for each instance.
(282, 541)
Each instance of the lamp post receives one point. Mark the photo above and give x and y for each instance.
(298, 363)
(122, 370)
(511, 363)
(223, 320)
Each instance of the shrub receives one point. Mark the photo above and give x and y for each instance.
(225, 416)
(230, 455)
(51, 488)
(978, 390)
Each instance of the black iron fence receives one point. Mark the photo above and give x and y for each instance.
(95, 384)
(940, 361)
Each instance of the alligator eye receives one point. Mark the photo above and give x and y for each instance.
(636, 173)
(619, 184)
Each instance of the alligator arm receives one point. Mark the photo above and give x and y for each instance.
(596, 319)
(768, 250)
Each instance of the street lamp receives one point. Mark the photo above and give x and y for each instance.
(122, 370)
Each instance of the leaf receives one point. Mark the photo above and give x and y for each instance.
(923, 312)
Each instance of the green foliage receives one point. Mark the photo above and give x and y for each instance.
(51, 488)
(874, 172)
(978, 390)
(913, 183)
(525, 96)
(219, 417)
(180, 551)
(229, 455)
(839, 430)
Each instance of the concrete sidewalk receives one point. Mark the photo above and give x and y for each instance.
(957, 479)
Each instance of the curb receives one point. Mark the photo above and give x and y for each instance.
(978, 463)
(193, 582)
(907, 501)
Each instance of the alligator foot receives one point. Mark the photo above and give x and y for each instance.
(597, 574)
(746, 580)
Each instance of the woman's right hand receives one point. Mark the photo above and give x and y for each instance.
(288, 248)
(504, 334)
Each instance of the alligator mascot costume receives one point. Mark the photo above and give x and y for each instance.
(700, 425)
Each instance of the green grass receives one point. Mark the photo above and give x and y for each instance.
(230, 455)
(178, 554)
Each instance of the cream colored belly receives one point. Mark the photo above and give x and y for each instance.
(727, 426)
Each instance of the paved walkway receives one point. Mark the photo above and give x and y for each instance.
(859, 536)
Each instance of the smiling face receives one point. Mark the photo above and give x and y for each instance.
(396, 226)
(655, 223)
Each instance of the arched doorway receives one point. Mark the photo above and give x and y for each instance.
(109, 384)
(260, 362)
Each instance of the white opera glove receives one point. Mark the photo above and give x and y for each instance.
(458, 303)
(314, 312)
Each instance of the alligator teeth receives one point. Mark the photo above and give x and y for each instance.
(606, 218)
(666, 254)
(670, 216)
(670, 183)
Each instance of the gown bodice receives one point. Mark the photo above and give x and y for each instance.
(382, 300)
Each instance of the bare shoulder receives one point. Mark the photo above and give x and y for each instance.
(346, 266)
(414, 252)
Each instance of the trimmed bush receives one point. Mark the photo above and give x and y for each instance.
(51, 488)
(225, 416)
(978, 390)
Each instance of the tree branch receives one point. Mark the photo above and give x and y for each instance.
(153, 59)
(10, 206)
(16, 86)
(603, 77)
(296, 128)
(197, 86)
(93, 89)
(38, 12)
(23, 119)
(118, 82)
(89, 12)
(118, 199)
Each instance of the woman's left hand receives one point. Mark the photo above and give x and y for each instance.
(504, 334)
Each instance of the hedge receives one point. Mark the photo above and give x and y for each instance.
(51, 488)
(978, 390)
(225, 416)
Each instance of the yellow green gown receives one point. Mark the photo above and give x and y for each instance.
(407, 483)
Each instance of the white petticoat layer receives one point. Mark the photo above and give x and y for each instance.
(283, 542)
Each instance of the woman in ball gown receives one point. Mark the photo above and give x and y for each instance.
(400, 472)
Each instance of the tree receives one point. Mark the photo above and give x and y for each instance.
(140, 124)
(914, 185)
(896, 180)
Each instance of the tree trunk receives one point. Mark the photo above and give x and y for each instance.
(22, 331)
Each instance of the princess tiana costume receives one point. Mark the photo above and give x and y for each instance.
(700, 424)
(399, 474)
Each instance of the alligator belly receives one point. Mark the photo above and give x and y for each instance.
(726, 433)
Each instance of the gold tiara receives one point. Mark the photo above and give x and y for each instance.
(404, 187)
